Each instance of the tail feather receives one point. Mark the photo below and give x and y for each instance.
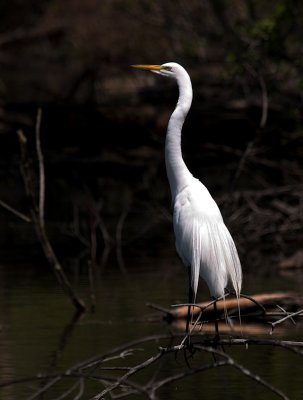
(232, 262)
(215, 258)
(209, 250)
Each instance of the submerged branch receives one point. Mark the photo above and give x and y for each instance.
(123, 377)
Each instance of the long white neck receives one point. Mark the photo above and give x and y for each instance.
(177, 172)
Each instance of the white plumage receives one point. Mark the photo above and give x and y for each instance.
(202, 240)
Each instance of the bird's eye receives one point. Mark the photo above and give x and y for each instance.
(166, 68)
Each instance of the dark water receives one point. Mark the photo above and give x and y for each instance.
(36, 335)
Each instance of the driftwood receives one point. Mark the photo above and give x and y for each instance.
(260, 313)
(247, 304)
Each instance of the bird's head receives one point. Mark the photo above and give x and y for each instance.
(170, 69)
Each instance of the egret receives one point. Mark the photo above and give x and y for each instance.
(203, 241)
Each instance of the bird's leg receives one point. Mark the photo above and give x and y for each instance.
(190, 301)
(217, 337)
(187, 341)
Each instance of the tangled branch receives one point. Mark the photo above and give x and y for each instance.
(122, 381)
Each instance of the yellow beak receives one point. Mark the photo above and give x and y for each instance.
(147, 67)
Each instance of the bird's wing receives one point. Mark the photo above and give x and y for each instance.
(203, 241)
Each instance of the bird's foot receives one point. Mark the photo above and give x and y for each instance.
(188, 349)
(188, 345)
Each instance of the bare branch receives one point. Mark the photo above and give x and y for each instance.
(289, 316)
(124, 377)
(86, 371)
(37, 214)
(15, 212)
(185, 374)
(41, 169)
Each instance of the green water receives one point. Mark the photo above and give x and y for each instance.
(36, 335)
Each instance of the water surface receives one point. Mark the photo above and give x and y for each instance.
(37, 335)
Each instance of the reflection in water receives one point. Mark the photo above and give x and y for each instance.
(39, 334)
(63, 339)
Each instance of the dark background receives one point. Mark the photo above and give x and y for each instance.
(103, 124)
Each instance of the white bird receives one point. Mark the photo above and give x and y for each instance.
(202, 240)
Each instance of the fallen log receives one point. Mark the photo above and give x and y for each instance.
(256, 304)
(260, 314)
(245, 328)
